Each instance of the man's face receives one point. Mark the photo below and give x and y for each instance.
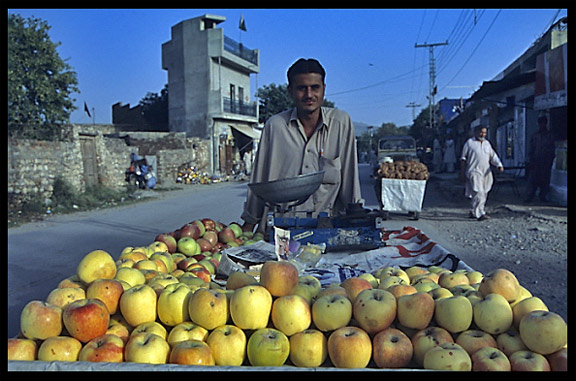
(481, 134)
(307, 92)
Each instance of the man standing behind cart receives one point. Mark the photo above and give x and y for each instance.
(306, 139)
(477, 156)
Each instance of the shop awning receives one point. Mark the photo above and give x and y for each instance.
(246, 130)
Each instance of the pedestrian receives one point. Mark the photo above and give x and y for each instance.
(437, 158)
(449, 155)
(477, 156)
(305, 139)
(540, 158)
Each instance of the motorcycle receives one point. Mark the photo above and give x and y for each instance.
(140, 174)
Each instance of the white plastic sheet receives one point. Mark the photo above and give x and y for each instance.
(400, 195)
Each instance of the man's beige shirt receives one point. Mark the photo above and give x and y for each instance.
(284, 152)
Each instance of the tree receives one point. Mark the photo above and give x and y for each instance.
(40, 83)
(155, 108)
(275, 99)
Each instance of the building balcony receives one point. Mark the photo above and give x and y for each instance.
(240, 108)
(236, 48)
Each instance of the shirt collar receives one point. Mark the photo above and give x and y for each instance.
(294, 116)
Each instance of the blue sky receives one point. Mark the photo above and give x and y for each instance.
(373, 68)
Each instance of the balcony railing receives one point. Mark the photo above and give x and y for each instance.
(241, 108)
(240, 50)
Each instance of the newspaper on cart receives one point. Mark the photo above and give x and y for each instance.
(404, 248)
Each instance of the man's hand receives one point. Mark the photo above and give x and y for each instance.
(500, 169)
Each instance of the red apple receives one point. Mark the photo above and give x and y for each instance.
(86, 319)
(199, 271)
(200, 225)
(209, 224)
(169, 240)
(392, 349)
(190, 230)
(108, 291)
(490, 359)
(528, 361)
(226, 235)
(558, 360)
(211, 236)
(191, 352)
(354, 286)
(472, 340)
(204, 244)
(349, 347)
(105, 348)
(279, 277)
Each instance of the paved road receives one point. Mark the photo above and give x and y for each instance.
(42, 254)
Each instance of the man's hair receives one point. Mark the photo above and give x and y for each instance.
(304, 66)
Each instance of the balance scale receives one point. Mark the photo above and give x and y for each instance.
(356, 229)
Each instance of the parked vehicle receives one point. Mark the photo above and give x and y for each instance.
(397, 147)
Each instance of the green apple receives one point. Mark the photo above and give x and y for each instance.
(291, 314)
(308, 348)
(268, 347)
(374, 310)
(228, 345)
(447, 356)
(330, 312)
(493, 314)
(453, 313)
(188, 246)
(250, 307)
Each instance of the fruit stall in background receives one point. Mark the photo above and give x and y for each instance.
(163, 304)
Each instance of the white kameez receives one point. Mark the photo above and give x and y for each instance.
(479, 155)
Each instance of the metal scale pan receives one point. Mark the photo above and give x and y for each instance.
(294, 190)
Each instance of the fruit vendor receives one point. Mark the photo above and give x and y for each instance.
(306, 139)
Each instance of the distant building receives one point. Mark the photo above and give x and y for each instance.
(209, 88)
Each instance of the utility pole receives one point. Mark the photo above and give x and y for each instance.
(433, 89)
(413, 105)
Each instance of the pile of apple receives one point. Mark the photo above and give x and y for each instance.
(427, 318)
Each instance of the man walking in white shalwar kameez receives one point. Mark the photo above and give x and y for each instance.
(477, 156)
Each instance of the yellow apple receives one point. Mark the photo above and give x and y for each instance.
(147, 348)
(428, 276)
(393, 271)
(473, 339)
(130, 275)
(449, 280)
(97, 264)
(86, 319)
(61, 297)
(453, 313)
(308, 287)
(447, 356)
(191, 352)
(330, 312)
(370, 278)
(250, 307)
(493, 314)
(440, 293)
(291, 314)
(525, 306)
(490, 359)
(208, 308)
(150, 327)
(527, 361)
(267, 347)
(187, 331)
(146, 264)
(415, 310)
(414, 271)
(523, 293)
(228, 345)
(427, 338)
(239, 279)
(105, 348)
(500, 281)
(173, 304)
(510, 342)
(392, 349)
(349, 347)
(374, 310)
(308, 348)
(402, 289)
(40, 320)
(462, 289)
(163, 279)
(108, 291)
(425, 285)
(59, 348)
(390, 281)
(72, 282)
(354, 286)
(543, 332)
(474, 276)
(119, 330)
(20, 349)
(138, 304)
